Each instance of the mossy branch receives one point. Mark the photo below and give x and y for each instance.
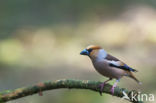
(9, 95)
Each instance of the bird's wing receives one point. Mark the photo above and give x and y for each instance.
(110, 57)
(114, 62)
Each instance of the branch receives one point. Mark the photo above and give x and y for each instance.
(9, 95)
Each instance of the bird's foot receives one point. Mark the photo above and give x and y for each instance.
(40, 85)
(40, 93)
(112, 90)
(101, 88)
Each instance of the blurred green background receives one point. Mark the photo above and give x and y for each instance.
(41, 40)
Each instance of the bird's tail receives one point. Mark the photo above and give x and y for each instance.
(134, 78)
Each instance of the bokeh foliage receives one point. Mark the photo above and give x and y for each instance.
(41, 40)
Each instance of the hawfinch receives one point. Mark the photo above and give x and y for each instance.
(108, 66)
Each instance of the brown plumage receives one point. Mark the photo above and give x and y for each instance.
(131, 75)
(94, 47)
(108, 65)
(110, 57)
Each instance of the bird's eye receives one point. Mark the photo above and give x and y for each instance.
(89, 50)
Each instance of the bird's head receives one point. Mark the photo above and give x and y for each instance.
(91, 50)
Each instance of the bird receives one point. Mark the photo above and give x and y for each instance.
(108, 66)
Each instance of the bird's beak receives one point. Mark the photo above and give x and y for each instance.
(84, 52)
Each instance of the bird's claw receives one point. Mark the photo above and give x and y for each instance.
(101, 88)
(112, 90)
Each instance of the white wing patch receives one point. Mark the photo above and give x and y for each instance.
(117, 63)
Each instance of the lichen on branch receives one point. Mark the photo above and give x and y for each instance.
(9, 95)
